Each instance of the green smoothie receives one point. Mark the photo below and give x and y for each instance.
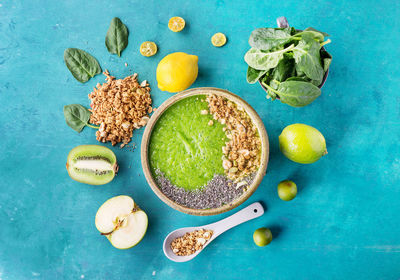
(185, 147)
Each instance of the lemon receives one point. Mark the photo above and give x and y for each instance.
(148, 48)
(176, 24)
(302, 143)
(218, 39)
(177, 71)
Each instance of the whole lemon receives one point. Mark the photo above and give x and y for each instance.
(302, 143)
(177, 71)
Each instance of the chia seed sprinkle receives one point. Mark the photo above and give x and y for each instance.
(218, 192)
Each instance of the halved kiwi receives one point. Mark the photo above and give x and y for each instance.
(92, 164)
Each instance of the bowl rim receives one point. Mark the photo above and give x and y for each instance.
(202, 91)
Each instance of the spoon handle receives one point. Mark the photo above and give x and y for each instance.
(252, 211)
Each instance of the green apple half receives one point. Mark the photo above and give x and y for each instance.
(121, 221)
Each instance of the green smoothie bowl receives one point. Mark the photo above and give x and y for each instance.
(204, 151)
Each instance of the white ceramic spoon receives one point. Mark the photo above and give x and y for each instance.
(252, 211)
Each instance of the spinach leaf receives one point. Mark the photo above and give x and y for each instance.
(270, 94)
(254, 75)
(77, 117)
(284, 69)
(261, 60)
(301, 74)
(269, 38)
(82, 65)
(296, 93)
(267, 77)
(326, 59)
(311, 34)
(297, 78)
(315, 30)
(117, 36)
(307, 57)
(289, 63)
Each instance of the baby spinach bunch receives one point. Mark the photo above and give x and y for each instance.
(289, 63)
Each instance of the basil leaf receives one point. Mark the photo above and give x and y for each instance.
(261, 60)
(297, 93)
(76, 116)
(308, 59)
(269, 38)
(81, 64)
(254, 75)
(117, 37)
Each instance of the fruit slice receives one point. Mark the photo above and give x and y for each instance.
(148, 48)
(218, 39)
(176, 24)
(92, 164)
(121, 221)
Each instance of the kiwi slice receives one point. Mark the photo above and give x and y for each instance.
(92, 164)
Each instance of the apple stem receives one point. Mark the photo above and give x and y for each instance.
(116, 227)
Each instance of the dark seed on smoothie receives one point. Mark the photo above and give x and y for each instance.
(218, 192)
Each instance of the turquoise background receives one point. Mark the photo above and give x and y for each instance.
(344, 223)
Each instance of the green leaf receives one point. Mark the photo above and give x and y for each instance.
(270, 94)
(81, 64)
(267, 77)
(307, 57)
(315, 30)
(297, 93)
(284, 69)
(261, 60)
(297, 78)
(117, 37)
(77, 116)
(254, 75)
(269, 38)
(326, 59)
(311, 34)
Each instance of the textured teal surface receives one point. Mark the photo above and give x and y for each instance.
(344, 223)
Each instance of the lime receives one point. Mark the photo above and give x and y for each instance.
(302, 143)
(218, 39)
(176, 24)
(262, 236)
(287, 190)
(148, 48)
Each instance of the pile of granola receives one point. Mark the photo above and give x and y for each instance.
(191, 242)
(243, 151)
(119, 106)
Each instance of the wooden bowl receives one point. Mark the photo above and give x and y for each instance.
(198, 91)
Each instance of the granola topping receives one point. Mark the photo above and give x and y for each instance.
(191, 242)
(242, 152)
(119, 107)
